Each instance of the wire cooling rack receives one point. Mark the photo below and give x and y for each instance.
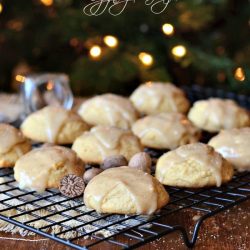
(67, 220)
(52, 210)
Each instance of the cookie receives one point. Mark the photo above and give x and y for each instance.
(54, 125)
(215, 114)
(194, 165)
(44, 167)
(12, 145)
(103, 141)
(234, 145)
(165, 131)
(125, 190)
(157, 97)
(108, 109)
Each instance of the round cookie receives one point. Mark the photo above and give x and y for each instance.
(156, 97)
(44, 167)
(165, 131)
(12, 145)
(234, 145)
(108, 109)
(216, 114)
(194, 165)
(103, 141)
(125, 190)
(54, 125)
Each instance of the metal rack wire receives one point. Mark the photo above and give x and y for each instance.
(67, 220)
(122, 231)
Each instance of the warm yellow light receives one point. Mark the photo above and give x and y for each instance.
(146, 59)
(239, 74)
(50, 86)
(47, 2)
(95, 51)
(20, 78)
(1, 8)
(179, 51)
(110, 41)
(168, 29)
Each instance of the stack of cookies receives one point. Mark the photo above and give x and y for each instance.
(108, 137)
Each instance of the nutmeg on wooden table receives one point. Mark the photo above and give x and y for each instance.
(90, 174)
(114, 161)
(141, 161)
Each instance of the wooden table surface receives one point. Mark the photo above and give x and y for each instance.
(229, 230)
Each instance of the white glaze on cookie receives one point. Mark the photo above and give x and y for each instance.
(108, 138)
(197, 152)
(234, 145)
(118, 109)
(169, 128)
(33, 170)
(215, 114)
(156, 93)
(139, 185)
(54, 118)
(9, 137)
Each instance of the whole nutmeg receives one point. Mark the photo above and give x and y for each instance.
(141, 161)
(71, 186)
(90, 174)
(114, 161)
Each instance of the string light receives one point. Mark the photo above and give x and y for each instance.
(95, 51)
(168, 29)
(1, 8)
(50, 86)
(110, 41)
(47, 2)
(146, 59)
(239, 74)
(20, 78)
(179, 51)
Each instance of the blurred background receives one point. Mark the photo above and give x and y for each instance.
(192, 42)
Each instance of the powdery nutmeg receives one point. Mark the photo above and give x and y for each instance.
(90, 174)
(72, 186)
(114, 161)
(141, 161)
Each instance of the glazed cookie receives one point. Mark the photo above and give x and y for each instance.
(155, 97)
(234, 145)
(103, 141)
(165, 131)
(53, 125)
(125, 190)
(108, 109)
(194, 165)
(216, 114)
(12, 145)
(44, 167)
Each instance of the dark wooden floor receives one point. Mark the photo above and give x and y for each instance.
(229, 230)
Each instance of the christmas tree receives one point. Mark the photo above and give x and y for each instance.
(189, 42)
